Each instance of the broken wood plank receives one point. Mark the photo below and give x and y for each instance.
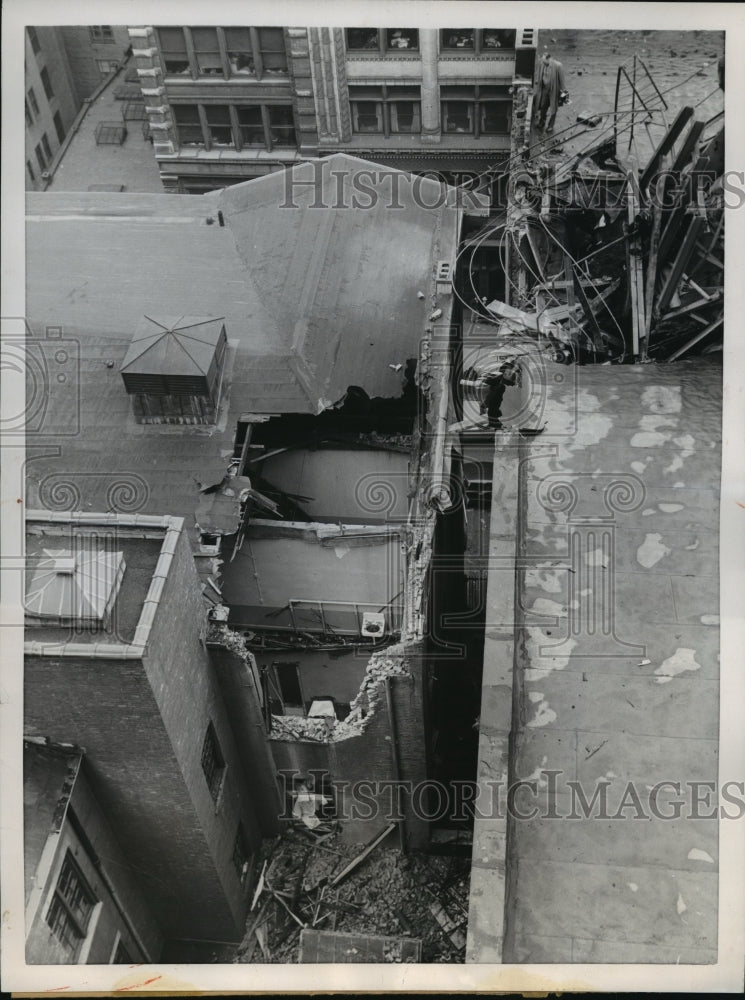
(259, 886)
(688, 148)
(651, 275)
(693, 306)
(634, 262)
(679, 264)
(695, 340)
(666, 144)
(597, 337)
(602, 297)
(558, 283)
(689, 281)
(281, 901)
(348, 869)
(679, 213)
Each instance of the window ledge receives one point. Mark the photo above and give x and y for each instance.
(221, 81)
(498, 54)
(411, 56)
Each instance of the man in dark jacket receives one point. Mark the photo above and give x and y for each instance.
(548, 91)
(495, 384)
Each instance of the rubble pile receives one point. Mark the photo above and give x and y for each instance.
(611, 259)
(385, 893)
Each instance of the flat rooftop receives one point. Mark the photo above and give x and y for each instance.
(85, 164)
(616, 676)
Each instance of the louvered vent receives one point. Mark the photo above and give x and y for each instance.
(174, 368)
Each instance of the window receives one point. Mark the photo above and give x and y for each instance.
(480, 110)
(207, 52)
(251, 125)
(34, 39)
(213, 762)
(385, 110)
(29, 118)
(471, 40)
(241, 854)
(58, 127)
(32, 100)
(498, 38)
(173, 51)
(71, 907)
(188, 124)
(46, 147)
(272, 51)
(106, 66)
(219, 128)
(40, 158)
(30, 170)
(240, 52)
(223, 52)
(121, 955)
(101, 33)
(288, 678)
(46, 83)
(382, 39)
(238, 126)
(281, 126)
(458, 38)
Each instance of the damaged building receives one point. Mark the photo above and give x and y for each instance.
(411, 450)
(285, 390)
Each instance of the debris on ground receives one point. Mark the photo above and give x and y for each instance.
(312, 880)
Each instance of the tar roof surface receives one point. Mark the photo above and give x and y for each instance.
(314, 300)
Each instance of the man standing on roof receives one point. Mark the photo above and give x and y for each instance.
(549, 91)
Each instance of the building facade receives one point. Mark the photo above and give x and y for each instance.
(51, 101)
(94, 51)
(84, 904)
(229, 103)
(63, 67)
(117, 664)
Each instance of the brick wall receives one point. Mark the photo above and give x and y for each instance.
(143, 726)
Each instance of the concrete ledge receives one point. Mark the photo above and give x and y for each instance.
(486, 911)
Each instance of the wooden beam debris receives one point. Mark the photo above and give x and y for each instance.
(695, 340)
(666, 144)
(679, 265)
(634, 263)
(356, 862)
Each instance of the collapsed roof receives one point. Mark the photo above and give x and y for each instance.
(313, 299)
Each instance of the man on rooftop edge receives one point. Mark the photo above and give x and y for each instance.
(549, 91)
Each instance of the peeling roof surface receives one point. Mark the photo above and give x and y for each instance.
(314, 299)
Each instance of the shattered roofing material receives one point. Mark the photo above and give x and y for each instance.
(314, 300)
